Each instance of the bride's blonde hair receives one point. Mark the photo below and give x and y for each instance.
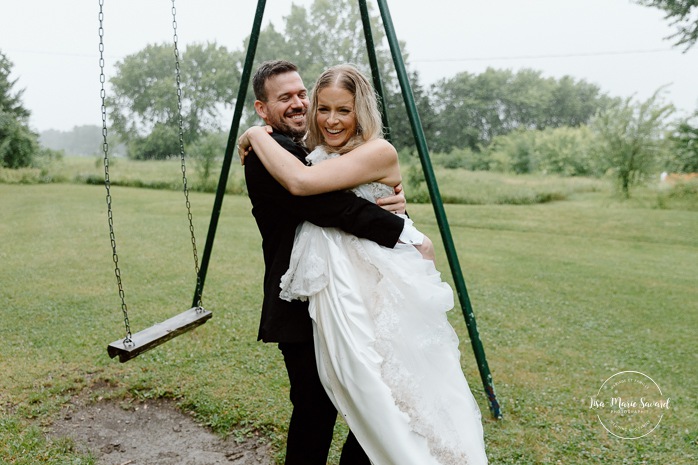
(368, 118)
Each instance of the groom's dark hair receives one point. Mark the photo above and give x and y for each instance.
(267, 70)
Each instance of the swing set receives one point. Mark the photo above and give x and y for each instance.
(133, 345)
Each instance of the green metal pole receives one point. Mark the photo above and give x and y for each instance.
(230, 148)
(375, 70)
(418, 132)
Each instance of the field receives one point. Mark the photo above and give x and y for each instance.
(566, 294)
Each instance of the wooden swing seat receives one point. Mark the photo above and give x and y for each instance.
(158, 333)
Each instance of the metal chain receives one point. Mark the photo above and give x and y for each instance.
(107, 183)
(181, 153)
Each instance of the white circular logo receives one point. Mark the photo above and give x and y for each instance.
(629, 405)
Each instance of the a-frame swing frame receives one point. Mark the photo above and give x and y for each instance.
(422, 149)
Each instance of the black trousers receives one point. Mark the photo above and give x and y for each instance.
(314, 415)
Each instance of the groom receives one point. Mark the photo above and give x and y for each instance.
(282, 102)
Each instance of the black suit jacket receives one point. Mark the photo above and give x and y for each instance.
(278, 214)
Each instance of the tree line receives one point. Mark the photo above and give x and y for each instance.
(466, 111)
(499, 119)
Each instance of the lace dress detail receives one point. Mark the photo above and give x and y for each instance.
(371, 191)
(386, 354)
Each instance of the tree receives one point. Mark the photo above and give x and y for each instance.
(10, 101)
(680, 13)
(18, 144)
(474, 109)
(630, 138)
(683, 157)
(144, 102)
(460, 115)
(574, 103)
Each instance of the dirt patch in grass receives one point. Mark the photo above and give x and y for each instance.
(151, 433)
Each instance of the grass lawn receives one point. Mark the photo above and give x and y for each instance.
(566, 294)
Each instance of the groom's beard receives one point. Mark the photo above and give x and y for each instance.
(295, 128)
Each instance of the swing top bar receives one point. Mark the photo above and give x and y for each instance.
(158, 333)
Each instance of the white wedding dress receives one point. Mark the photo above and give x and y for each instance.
(386, 354)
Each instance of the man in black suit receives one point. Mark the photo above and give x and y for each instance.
(282, 102)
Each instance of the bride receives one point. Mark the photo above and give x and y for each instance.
(386, 354)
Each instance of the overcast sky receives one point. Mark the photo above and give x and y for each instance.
(616, 44)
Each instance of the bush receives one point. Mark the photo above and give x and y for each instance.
(462, 159)
(563, 151)
(683, 195)
(20, 175)
(416, 190)
(205, 153)
(18, 144)
(513, 152)
(566, 151)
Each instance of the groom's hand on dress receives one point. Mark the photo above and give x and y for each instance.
(426, 248)
(394, 203)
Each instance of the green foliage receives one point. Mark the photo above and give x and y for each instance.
(400, 128)
(681, 195)
(459, 186)
(18, 144)
(416, 190)
(474, 109)
(150, 174)
(461, 158)
(513, 152)
(679, 13)
(205, 153)
(630, 139)
(161, 144)
(566, 151)
(10, 100)
(683, 149)
(145, 103)
(20, 176)
(563, 151)
(41, 170)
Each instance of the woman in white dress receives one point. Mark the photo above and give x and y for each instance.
(386, 354)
